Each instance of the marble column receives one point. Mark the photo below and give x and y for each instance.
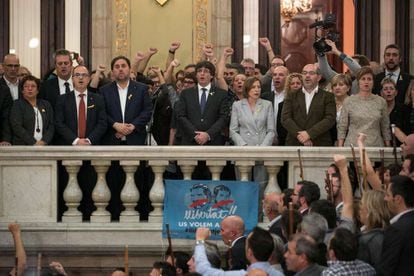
(215, 168)
(101, 193)
(245, 168)
(157, 191)
(129, 193)
(72, 194)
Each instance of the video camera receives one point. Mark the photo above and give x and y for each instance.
(328, 25)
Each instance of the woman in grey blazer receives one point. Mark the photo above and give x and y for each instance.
(252, 120)
(253, 124)
(31, 119)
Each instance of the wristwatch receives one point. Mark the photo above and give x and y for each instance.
(200, 242)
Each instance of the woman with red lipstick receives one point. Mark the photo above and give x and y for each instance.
(31, 119)
(364, 113)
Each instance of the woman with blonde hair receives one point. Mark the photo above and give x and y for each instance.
(294, 81)
(341, 88)
(375, 216)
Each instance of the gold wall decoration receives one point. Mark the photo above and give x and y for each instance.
(161, 2)
(201, 31)
(122, 27)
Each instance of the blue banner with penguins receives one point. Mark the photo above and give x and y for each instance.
(190, 204)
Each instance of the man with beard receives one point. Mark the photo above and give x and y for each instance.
(392, 59)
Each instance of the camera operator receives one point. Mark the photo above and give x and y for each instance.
(328, 73)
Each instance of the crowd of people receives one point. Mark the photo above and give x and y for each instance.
(359, 230)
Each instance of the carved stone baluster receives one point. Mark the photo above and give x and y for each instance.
(129, 193)
(273, 168)
(215, 168)
(245, 168)
(157, 191)
(101, 193)
(187, 167)
(72, 194)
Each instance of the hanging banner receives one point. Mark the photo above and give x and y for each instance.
(190, 204)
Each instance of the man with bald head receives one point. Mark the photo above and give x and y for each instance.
(232, 234)
(276, 95)
(272, 209)
(407, 147)
(11, 65)
(310, 113)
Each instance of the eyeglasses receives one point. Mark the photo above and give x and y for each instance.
(277, 64)
(83, 75)
(12, 65)
(188, 81)
(309, 72)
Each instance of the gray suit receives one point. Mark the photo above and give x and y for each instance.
(251, 129)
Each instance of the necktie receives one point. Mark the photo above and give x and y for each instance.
(81, 117)
(67, 87)
(203, 99)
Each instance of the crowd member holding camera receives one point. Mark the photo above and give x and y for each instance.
(326, 45)
(364, 113)
(351, 63)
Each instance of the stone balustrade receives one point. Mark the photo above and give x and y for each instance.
(29, 187)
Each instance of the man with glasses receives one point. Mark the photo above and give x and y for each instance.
(310, 113)
(88, 124)
(11, 65)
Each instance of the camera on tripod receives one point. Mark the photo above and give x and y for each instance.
(327, 31)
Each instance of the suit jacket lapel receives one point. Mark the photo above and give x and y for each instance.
(90, 109)
(129, 97)
(115, 100)
(74, 111)
(315, 99)
(246, 112)
(196, 100)
(302, 102)
(42, 112)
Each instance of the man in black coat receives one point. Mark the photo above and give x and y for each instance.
(232, 234)
(6, 102)
(202, 111)
(392, 60)
(398, 246)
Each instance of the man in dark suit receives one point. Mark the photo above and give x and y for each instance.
(128, 106)
(6, 101)
(232, 234)
(68, 113)
(52, 88)
(11, 65)
(392, 60)
(276, 94)
(80, 120)
(309, 114)
(202, 111)
(398, 246)
(272, 209)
